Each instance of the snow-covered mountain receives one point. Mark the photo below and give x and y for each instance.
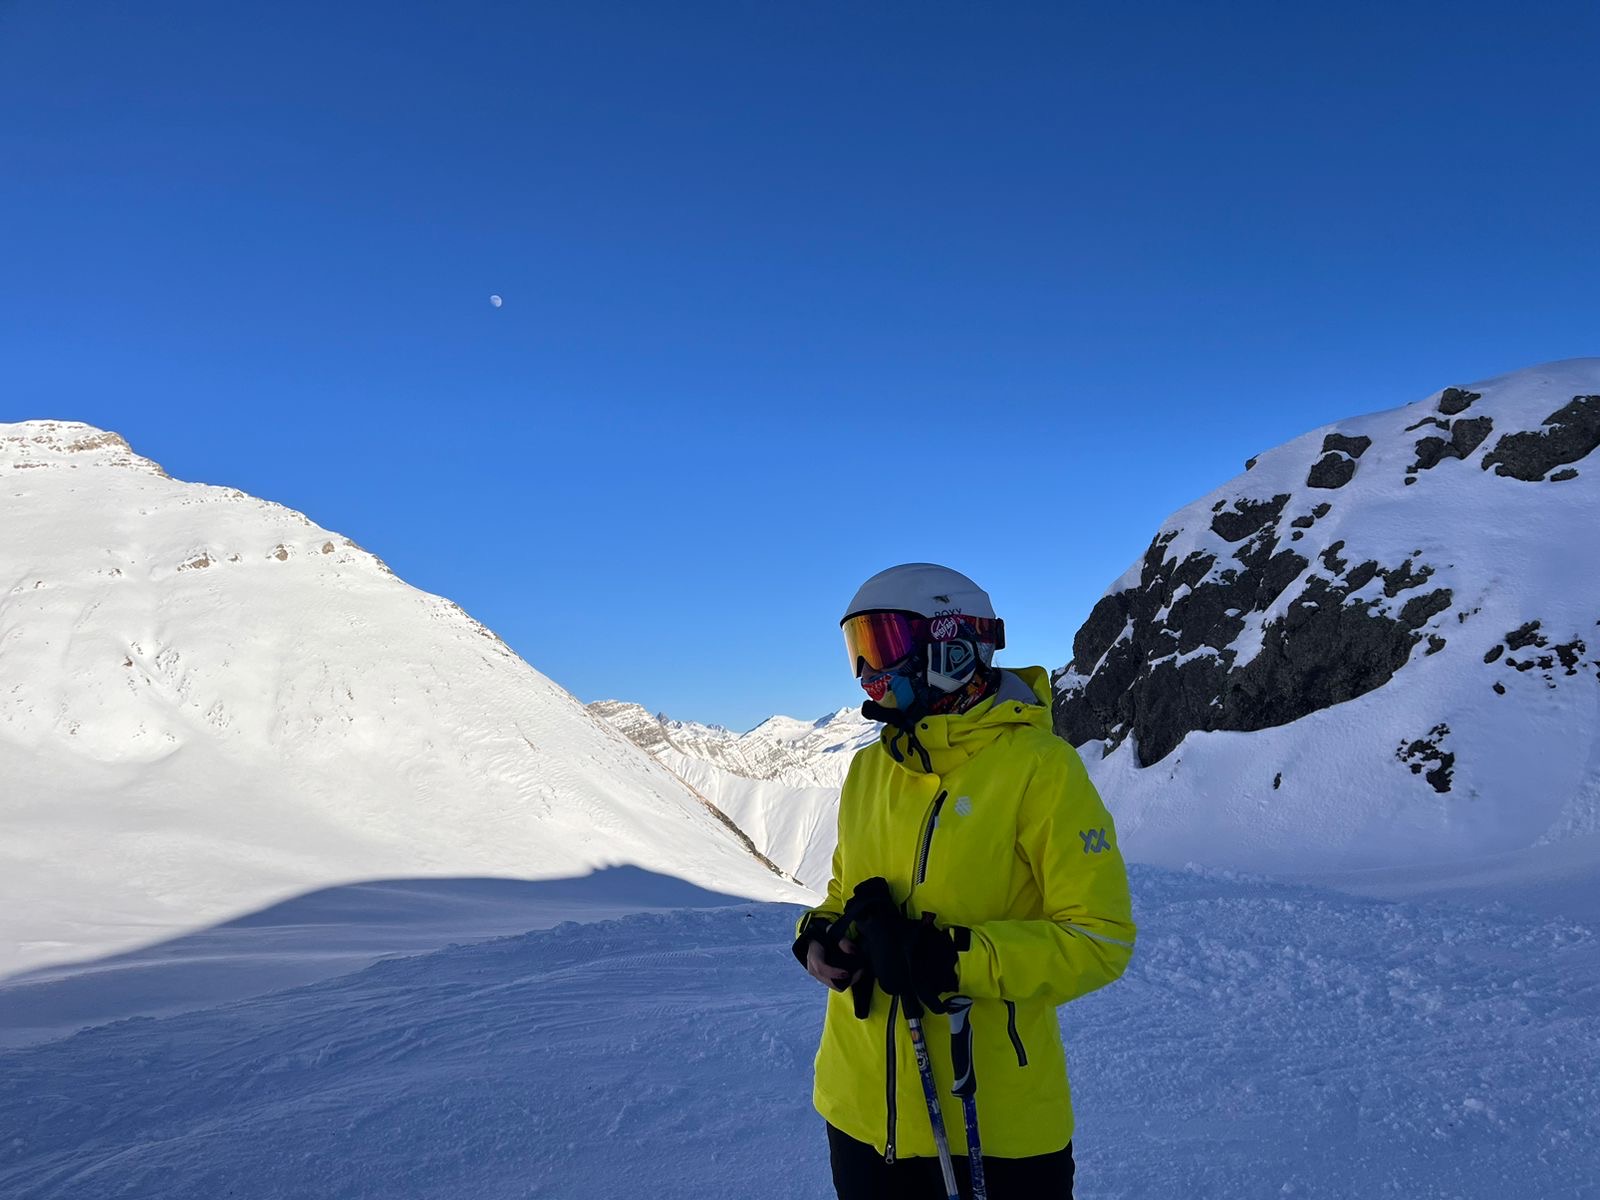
(1377, 646)
(209, 704)
(779, 782)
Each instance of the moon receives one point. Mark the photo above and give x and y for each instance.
(496, 301)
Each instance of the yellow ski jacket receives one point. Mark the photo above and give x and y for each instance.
(1007, 837)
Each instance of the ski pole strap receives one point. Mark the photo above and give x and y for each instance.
(959, 1008)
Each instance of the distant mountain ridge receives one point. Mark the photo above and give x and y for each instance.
(785, 749)
(1378, 645)
(779, 782)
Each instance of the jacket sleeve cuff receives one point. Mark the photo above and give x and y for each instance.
(812, 928)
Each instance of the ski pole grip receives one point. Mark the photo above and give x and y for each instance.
(959, 1008)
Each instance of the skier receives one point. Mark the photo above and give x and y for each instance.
(974, 859)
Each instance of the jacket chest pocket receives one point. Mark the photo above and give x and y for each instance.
(964, 860)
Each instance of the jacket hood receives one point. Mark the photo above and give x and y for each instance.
(952, 738)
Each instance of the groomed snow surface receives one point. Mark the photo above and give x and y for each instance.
(1268, 1041)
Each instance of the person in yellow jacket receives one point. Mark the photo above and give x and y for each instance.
(1005, 884)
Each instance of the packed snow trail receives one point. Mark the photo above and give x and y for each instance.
(1268, 1041)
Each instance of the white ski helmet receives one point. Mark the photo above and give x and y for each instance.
(926, 589)
(957, 633)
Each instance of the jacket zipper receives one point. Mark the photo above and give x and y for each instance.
(927, 839)
(894, 1011)
(920, 874)
(1016, 1038)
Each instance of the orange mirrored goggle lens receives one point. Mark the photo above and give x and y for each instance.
(881, 639)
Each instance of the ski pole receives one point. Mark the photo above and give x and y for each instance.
(930, 1092)
(966, 1086)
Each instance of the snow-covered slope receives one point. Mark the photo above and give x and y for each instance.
(1266, 1042)
(1377, 646)
(779, 782)
(208, 704)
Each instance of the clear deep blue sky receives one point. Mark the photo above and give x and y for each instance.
(792, 291)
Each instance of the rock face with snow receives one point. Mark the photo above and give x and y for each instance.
(1379, 644)
(209, 704)
(779, 782)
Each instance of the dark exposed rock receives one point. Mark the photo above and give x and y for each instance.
(1398, 579)
(1419, 610)
(1571, 655)
(1570, 434)
(1362, 575)
(1250, 463)
(1465, 437)
(1456, 400)
(1494, 653)
(1436, 643)
(1526, 635)
(1428, 752)
(1331, 559)
(1332, 471)
(1428, 421)
(1247, 517)
(1321, 510)
(1105, 622)
(1277, 781)
(1355, 447)
(1282, 569)
(1431, 451)
(1322, 650)
(1500, 689)
(1305, 522)
(1563, 475)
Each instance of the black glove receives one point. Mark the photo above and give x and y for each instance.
(913, 960)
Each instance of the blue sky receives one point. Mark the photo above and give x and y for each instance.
(792, 292)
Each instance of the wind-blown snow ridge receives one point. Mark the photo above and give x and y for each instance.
(209, 704)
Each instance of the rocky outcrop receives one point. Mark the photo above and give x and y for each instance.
(1266, 603)
(1568, 434)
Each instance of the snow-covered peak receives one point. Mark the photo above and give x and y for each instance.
(209, 703)
(25, 445)
(1376, 645)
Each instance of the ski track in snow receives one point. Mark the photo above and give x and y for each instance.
(1268, 1041)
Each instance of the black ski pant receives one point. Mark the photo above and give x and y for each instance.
(859, 1173)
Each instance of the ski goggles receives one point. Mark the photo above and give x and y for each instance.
(881, 639)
